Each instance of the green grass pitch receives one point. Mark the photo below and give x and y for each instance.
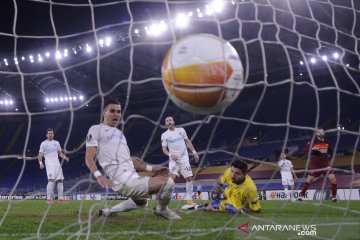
(34, 219)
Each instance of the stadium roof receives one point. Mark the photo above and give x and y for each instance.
(287, 48)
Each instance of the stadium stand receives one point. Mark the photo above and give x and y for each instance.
(213, 161)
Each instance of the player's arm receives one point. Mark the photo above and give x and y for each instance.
(219, 187)
(63, 156)
(40, 157)
(310, 147)
(293, 173)
(222, 182)
(252, 202)
(192, 149)
(90, 163)
(250, 210)
(168, 153)
(280, 164)
(141, 166)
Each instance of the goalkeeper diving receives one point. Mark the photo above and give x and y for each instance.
(236, 193)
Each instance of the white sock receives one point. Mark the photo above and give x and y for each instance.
(125, 206)
(50, 190)
(60, 189)
(189, 190)
(165, 193)
(287, 192)
(292, 193)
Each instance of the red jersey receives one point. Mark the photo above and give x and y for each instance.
(319, 158)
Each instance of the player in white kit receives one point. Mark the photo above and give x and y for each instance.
(174, 144)
(108, 145)
(287, 173)
(50, 149)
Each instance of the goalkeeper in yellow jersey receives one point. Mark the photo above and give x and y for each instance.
(240, 194)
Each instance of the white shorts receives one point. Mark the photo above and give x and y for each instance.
(181, 165)
(287, 181)
(137, 188)
(119, 175)
(54, 172)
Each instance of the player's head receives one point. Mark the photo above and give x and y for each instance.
(50, 133)
(320, 133)
(238, 171)
(169, 122)
(112, 112)
(282, 156)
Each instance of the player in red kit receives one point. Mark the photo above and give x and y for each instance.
(321, 152)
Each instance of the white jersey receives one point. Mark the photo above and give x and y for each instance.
(285, 170)
(285, 166)
(175, 141)
(50, 149)
(112, 152)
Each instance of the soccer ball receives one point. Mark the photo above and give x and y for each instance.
(202, 74)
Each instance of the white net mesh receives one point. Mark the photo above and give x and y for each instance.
(60, 59)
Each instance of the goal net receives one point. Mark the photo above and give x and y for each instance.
(61, 59)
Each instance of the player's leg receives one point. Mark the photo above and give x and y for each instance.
(174, 169)
(309, 179)
(50, 190)
(285, 185)
(290, 182)
(163, 187)
(189, 190)
(138, 193)
(186, 171)
(332, 178)
(214, 206)
(60, 190)
(292, 193)
(141, 189)
(60, 184)
(286, 190)
(125, 206)
(50, 172)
